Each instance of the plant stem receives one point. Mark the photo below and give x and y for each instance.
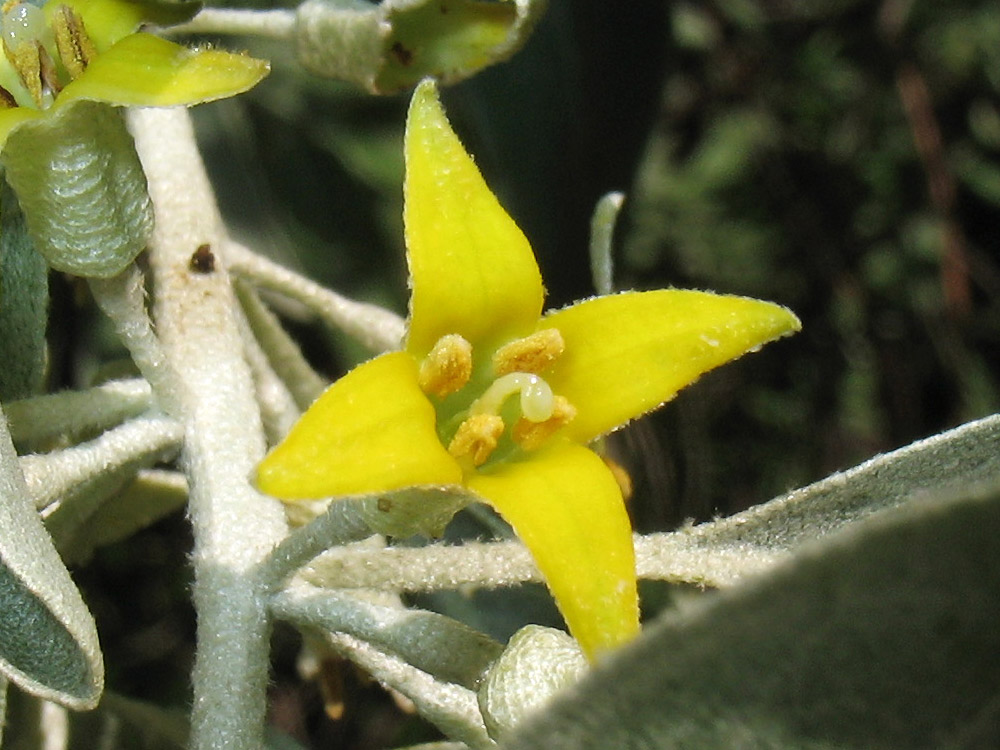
(377, 328)
(235, 527)
(273, 24)
(123, 299)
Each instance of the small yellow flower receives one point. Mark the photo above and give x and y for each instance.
(492, 396)
(71, 50)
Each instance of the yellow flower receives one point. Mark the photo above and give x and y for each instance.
(71, 50)
(492, 396)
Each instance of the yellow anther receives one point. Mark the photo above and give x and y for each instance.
(621, 476)
(477, 438)
(530, 435)
(72, 41)
(447, 367)
(533, 353)
(26, 57)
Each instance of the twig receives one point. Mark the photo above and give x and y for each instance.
(235, 527)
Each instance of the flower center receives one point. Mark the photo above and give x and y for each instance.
(472, 420)
(39, 58)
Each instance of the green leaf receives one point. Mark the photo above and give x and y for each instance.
(151, 496)
(393, 45)
(440, 646)
(24, 297)
(720, 553)
(48, 641)
(883, 636)
(81, 187)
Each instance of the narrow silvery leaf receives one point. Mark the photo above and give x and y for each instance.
(602, 229)
(81, 187)
(748, 542)
(882, 636)
(24, 296)
(391, 46)
(440, 646)
(48, 641)
(3, 705)
(151, 496)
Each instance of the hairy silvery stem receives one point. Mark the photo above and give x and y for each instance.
(234, 526)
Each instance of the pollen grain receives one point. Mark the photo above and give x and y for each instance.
(477, 438)
(532, 353)
(447, 367)
(530, 435)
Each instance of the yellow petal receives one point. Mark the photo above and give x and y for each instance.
(628, 353)
(371, 431)
(565, 506)
(472, 270)
(143, 70)
(11, 118)
(107, 21)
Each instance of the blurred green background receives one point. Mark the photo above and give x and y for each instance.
(841, 158)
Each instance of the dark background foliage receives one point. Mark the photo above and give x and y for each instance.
(841, 158)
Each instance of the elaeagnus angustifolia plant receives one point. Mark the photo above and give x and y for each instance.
(354, 518)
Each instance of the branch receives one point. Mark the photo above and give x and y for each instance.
(377, 328)
(52, 476)
(444, 648)
(70, 413)
(235, 527)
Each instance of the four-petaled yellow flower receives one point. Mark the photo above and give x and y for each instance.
(71, 50)
(492, 396)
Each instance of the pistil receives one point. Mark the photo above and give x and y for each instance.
(536, 396)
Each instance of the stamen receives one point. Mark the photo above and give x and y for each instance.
(24, 36)
(448, 366)
(532, 354)
(75, 48)
(621, 476)
(536, 396)
(477, 437)
(530, 435)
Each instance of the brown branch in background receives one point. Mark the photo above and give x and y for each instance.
(919, 110)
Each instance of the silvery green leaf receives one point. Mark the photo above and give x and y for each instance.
(720, 553)
(151, 496)
(3, 705)
(391, 46)
(881, 636)
(48, 641)
(24, 297)
(442, 647)
(537, 663)
(81, 187)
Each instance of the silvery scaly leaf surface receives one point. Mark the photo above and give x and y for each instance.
(48, 641)
(880, 635)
